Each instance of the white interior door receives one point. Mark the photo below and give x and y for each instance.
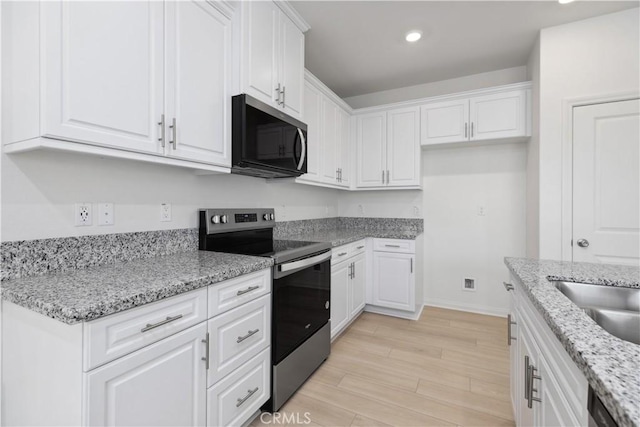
(606, 183)
(198, 58)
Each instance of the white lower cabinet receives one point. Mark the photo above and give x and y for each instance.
(348, 282)
(160, 385)
(233, 400)
(394, 275)
(162, 364)
(547, 388)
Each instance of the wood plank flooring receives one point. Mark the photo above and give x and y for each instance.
(447, 368)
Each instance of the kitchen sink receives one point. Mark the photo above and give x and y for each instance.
(615, 309)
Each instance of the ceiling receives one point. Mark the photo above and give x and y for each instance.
(358, 47)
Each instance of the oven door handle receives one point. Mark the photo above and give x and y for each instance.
(295, 265)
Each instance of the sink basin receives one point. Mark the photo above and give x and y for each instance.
(589, 295)
(615, 309)
(620, 323)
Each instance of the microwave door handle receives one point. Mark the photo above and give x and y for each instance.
(303, 155)
(296, 159)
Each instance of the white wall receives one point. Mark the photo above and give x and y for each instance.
(443, 87)
(458, 242)
(533, 156)
(382, 204)
(590, 58)
(39, 190)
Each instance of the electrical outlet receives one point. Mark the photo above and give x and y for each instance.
(360, 210)
(82, 214)
(105, 213)
(165, 212)
(482, 210)
(416, 211)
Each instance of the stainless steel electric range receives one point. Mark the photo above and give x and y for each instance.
(300, 328)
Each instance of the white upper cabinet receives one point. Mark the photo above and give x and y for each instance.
(388, 149)
(500, 113)
(328, 134)
(272, 65)
(155, 90)
(198, 69)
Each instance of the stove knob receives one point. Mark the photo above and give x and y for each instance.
(272, 217)
(266, 217)
(215, 219)
(223, 219)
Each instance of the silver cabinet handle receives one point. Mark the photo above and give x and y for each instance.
(250, 393)
(387, 176)
(337, 175)
(383, 177)
(533, 376)
(412, 265)
(278, 94)
(162, 322)
(360, 247)
(342, 254)
(249, 333)
(465, 129)
(249, 289)
(471, 129)
(509, 323)
(583, 243)
(174, 132)
(508, 286)
(284, 93)
(353, 270)
(206, 357)
(161, 124)
(392, 246)
(527, 368)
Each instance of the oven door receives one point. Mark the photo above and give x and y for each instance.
(301, 295)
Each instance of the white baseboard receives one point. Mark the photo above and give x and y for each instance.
(471, 308)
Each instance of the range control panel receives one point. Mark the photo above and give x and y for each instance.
(226, 220)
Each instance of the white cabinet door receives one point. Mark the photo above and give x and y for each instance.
(198, 41)
(393, 280)
(260, 50)
(444, 122)
(104, 73)
(403, 147)
(372, 149)
(160, 385)
(329, 140)
(554, 410)
(606, 183)
(344, 150)
(339, 297)
(312, 117)
(358, 285)
(292, 66)
(501, 115)
(514, 358)
(528, 353)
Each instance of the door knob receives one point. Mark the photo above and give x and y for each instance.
(583, 243)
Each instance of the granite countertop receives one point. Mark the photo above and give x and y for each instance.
(88, 294)
(611, 365)
(342, 236)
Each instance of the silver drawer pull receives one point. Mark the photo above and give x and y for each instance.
(249, 289)
(240, 339)
(342, 254)
(392, 246)
(508, 286)
(360, 247)
(244, 399)
(162, 322)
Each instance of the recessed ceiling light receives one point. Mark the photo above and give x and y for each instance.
(564, 1)
(413, 36)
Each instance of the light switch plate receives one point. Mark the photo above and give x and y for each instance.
(165, 212)
(105, 213)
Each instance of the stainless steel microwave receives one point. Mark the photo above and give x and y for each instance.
(266, 142)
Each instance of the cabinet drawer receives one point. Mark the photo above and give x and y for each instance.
(113, 336)
(238, 335)
(234, 399)
(394, 245)
(234, 292)
(347, 251)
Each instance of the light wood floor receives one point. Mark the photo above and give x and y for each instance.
(448, 368)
